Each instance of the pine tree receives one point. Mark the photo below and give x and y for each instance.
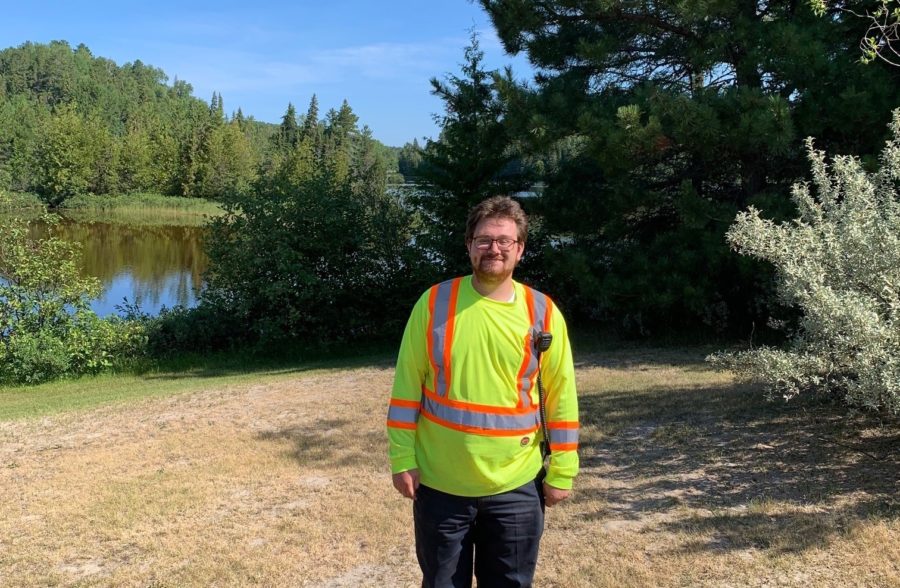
(473, 158)
(684, 113)
(217, 109)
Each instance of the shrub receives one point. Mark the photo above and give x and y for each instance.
(33, 357)
(19, 201)
(839, 262)
(201, 329)
(47, 328)
(315, 253)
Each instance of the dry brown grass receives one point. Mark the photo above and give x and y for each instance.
(688, 480)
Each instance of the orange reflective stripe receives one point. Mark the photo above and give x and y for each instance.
(404, 403)
(442, 308)
(432, 298)
(547, 312)
(521, 392)
(564, 446)
(451, 322)
(477, 430)
(475, 407)
(562, 424)
(400, 425)
(529, 303)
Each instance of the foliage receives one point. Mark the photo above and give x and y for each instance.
(317, 248)
(47, 328)
(73, 124)
(880, 39)
(472, 159)
(17, 201)
(70, 157)
(839, 262)
(673, 117)
(409, 160)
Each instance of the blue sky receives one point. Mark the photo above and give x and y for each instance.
(378, 55)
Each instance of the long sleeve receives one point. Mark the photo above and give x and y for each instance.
(558, 372)
(406, 394)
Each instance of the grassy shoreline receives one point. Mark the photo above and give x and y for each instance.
(166, 378)
(137, 209)
(16, 201)
(142, 203)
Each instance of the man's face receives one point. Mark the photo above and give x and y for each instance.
(493, 265)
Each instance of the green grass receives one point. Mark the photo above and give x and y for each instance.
(19, 201)
(171, 377)
(142, 203)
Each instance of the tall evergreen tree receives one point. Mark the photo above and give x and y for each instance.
(288, 132)
(217, 109)
(473, 158)
(684, 113)
(311, 129)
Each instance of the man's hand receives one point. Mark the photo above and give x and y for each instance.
(407, 482)
(552, 495)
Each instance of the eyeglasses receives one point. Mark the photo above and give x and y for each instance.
(485, 243)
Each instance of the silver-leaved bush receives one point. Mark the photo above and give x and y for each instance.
(839, 263)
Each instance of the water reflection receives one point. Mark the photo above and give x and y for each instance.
(152, 265)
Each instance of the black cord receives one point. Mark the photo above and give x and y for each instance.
(542, 341)
(545, 444)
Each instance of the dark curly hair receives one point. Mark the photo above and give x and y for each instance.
(497, 207)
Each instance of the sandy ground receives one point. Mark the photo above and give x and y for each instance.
(282, 483)
(686, 481)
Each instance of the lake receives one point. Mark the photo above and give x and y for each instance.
(153, 265)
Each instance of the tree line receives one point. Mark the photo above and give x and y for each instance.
(646, 130)
(72, 123)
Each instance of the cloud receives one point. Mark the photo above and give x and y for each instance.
(210, 68)
(381, 60)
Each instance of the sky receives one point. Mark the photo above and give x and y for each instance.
(377, 54)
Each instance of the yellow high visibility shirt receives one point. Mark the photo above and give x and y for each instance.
(464, 404)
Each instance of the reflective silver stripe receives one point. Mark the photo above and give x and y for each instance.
(480, 420)
(403, 414)
(540, 309)
(528, 374)
(539, 302)
(440, 317)
(564, 435)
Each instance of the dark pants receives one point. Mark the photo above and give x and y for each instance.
(497, 535)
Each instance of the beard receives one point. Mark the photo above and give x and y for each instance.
(491, 270)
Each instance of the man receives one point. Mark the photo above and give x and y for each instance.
(464, 417)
